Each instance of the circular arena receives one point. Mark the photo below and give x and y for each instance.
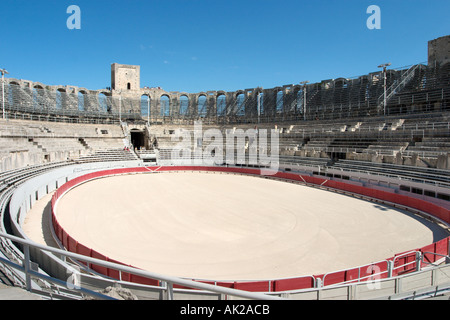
(239, 234)
(230, 227)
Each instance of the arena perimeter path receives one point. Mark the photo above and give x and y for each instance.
(230, 227)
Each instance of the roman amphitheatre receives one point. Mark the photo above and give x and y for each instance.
(92, 196)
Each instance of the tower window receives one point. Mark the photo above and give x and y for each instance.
(129, 86)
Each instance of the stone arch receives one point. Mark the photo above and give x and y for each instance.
(59, 97)
(36, 97)
(164, 101)
(340, 83)
(239, 92)
(240, 98)
(221, 102)
(279, 101)
(103, 104)
(146, 105)
(105, 92)
(202, 105)
(81, 97)
(184, 105)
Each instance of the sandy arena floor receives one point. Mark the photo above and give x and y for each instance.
(232, 227)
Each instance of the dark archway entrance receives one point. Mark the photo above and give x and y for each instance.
(138, 139)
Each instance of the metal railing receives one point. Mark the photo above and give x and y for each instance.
(412, 89)
(167, 289)
(377, 274)
(397, 86)
(167, 280)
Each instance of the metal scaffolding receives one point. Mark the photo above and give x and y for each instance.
(407, 90)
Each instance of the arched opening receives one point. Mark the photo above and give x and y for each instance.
(103, 103)
(280, 101)
(36, 97)
(240, 104)
(145, 105)
(165, 106)
(81, 101)
(221, 105)
(129, 86)
(59, 98)
(137, 139)
(184, 105)
(13, 91)
(202, 106)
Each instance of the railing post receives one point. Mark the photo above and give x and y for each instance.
(26, 265)
(319, 283)
(169, 290)
(390, 268)
(448, 251)
(418, 261)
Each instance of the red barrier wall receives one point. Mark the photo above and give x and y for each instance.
(307, 282)
(294, 283)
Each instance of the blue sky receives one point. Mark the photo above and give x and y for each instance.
(200, 45)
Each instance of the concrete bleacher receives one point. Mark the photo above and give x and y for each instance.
(420, 140)
(412, 140)
(27, 128)
(305, 161)
(431, 147)
(25, 142)
(8, 145)
(104, 144)
(108, 156)
(388, 147)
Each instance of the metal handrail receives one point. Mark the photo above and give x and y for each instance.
(424, 253)
(359, 279)
(269, 282)
(146, 274)
(406, 254)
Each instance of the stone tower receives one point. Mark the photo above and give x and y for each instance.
(439, 51)
(125, 78)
